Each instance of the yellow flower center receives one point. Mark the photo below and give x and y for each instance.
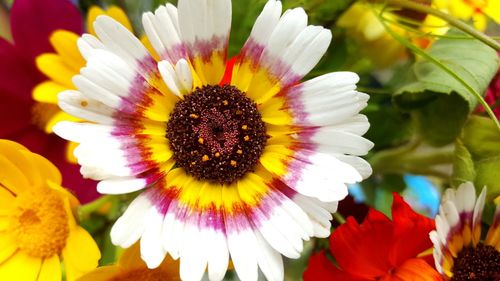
(144, 274)
(40, 223)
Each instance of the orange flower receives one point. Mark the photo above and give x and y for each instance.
(378, 249)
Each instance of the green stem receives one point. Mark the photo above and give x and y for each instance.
(444, 16)
(89, 208)
(410, 160)
(339, 218)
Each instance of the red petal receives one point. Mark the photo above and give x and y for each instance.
(408, 226)
(362, 249)
(32, 22)
(322, 269)
(228, 73)
(18, 75)
(15, 116)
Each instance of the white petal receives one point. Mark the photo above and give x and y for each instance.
(265, 23)
(321, 176)
(161, 29)
(336, 141)
(242, 246)
(121, 185)
(173, 231)
(120, 40)
(276, 239)
(442, 229)
(130, 226)
(78, 105)
(218, 256)
(363, 167)
(468, 196)
(290, 25)
(204, 20)
(451, 214)
(306, 50)
(193, 254)
(151, 251)
(80, 132)
(269, 260)
(86, 43)
(168, 74)
(96, 92)
(478, 208)
(184, 75)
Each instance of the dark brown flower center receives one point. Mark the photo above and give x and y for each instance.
(481, 263)
(216, 134)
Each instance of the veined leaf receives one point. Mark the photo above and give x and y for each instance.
(472, 61)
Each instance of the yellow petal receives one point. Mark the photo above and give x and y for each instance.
(64, 42)
(58, 117)
(273, 113)
(7, 247)
(92, 14)
(20, 267)
(20, 157)
(47, 169)
(47, 91)
(70, 156)
(114, 12)
(6, 199)
(53, 66)
(51, 269)
(120, 16)
(147, 44)
(11, 177)
(480, 21)
(81, 253)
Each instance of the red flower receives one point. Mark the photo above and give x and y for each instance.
(493, 94)
(32, 22)
(378, 249)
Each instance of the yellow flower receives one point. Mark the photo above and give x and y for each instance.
(130, 267)
(362, 24)
(476, 10)
(37, 225)
(66, 62)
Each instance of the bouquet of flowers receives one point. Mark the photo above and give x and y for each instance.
(250, 140)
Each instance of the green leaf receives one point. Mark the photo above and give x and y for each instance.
(440, 121)
(477, 155)
(388, 127)
(442, 101)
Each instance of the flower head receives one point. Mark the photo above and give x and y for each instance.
(25, 120)
(37, 226)
(476, 10)
(378, 249)
(459, 252)
(240, 159)
(131, 267)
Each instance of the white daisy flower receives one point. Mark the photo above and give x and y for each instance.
(239, 159)
(459, 252)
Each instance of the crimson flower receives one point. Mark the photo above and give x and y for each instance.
(378, 249)
(492, 94)
(23, 119)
